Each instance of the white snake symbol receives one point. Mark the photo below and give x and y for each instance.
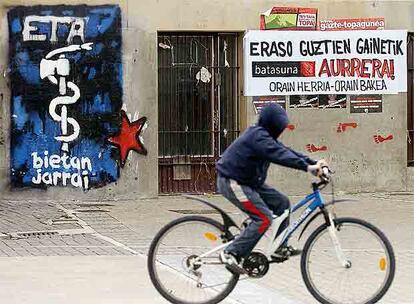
(61, 67)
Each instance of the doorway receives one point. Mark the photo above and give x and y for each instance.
(198, 107)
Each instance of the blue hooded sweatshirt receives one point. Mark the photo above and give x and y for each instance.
(248, 158)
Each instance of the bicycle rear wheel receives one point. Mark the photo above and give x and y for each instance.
(370, 270)
(171, 262)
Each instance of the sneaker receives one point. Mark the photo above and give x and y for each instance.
(285, 252)
(232, 263)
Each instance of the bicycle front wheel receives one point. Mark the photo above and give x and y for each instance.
(179, 273)
(368, 271)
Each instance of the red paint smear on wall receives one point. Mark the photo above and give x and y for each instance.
(312, 148)
(378, 139)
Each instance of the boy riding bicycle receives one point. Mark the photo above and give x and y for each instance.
(242, 172)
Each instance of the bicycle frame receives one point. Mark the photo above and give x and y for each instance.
(315, 201)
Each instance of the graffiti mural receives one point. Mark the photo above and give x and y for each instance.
(66, 95)
(129, 137)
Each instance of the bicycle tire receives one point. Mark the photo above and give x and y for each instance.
(151, 258)
(387, 245)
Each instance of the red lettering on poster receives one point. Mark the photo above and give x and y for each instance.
(355, 67)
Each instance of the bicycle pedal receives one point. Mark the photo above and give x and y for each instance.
(198, 274)
(236, 270)
(279, 260)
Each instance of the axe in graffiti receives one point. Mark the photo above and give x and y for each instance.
(51, 69)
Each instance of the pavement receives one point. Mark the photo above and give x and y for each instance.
(95, 252)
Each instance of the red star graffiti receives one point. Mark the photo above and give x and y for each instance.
(127, 138)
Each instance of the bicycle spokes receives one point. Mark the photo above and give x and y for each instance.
(185, 264)
(353, 264)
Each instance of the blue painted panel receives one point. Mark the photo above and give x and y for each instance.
(82, 79)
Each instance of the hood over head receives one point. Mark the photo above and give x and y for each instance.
(274, 119)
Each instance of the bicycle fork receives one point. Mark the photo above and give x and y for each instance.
(335, 240)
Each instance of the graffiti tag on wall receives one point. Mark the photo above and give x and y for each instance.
(66, 94)
(129, 137)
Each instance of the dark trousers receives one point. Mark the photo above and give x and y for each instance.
(259, 203)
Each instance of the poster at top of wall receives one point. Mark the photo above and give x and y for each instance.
(289, 18)
(66, 94)
(308, 63)
(352, 24)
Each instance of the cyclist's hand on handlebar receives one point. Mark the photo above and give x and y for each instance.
(319, 168)
(325, 172)
(322, 163)
(315, 169)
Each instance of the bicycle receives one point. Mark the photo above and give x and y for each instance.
(185, 268)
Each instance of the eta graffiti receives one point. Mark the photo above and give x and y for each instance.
(66, 94)
(56, 23)
(79, 178)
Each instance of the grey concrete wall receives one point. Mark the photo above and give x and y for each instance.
(361, 165)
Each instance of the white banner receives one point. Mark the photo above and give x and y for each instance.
(314, 62)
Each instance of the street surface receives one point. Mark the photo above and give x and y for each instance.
(95, 252)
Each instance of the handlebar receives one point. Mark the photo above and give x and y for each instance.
(325, 178)
(325, 174)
